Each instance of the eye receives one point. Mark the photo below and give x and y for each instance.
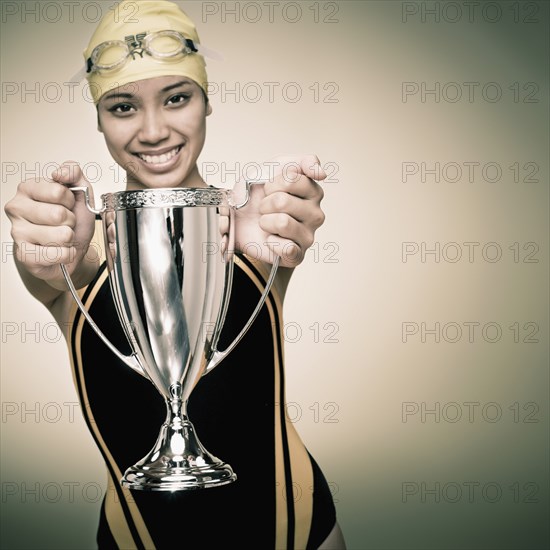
(121, 109)
(178, 99)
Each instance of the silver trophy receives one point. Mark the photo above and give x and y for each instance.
(170, 264)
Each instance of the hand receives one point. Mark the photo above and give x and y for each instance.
(50, 224)
(283, 214)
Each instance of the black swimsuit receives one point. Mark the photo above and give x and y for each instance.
(280, 499)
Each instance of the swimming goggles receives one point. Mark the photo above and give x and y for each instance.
(161, 45)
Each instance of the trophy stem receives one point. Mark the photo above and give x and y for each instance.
(178, 460)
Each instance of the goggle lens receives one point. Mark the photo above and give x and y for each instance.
(110, 55)
(165, 44)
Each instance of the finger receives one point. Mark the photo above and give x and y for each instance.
(111, 233)
(48, 192)
(285, 226)
(290, 253)
(297, 185)
(302, 210)
(308, 165)
(311, 167)
(256, 193)
(35, 255)
(43, 235)
(69, 173)
(224, 225)
(42, 213)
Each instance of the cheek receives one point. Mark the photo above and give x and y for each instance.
(113, 148)
(115, 138)
(193, 124)
(199, 132)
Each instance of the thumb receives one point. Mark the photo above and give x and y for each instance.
(311, 167)
(70, 174)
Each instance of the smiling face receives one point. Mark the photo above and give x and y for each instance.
(155, 129)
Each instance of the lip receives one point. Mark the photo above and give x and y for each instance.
(161, 166)
(156, 152)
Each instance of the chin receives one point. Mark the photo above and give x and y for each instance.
(162, 184)
(158, 181)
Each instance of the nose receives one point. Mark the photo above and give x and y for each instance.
(154, 127)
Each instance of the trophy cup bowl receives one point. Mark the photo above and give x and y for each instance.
(170, 263)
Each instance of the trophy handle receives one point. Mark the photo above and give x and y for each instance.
(218, 356)
(130, 360)
(89, 206)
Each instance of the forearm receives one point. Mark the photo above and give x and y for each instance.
(282, 279)
(47, 292)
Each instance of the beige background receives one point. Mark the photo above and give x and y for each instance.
(347, 397)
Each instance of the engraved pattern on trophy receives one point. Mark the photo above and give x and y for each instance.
(172, 197)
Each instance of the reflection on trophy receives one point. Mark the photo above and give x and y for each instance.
(170, 263)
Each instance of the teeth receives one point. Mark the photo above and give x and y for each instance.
(159, 159)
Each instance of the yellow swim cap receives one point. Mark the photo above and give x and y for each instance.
(124, 34)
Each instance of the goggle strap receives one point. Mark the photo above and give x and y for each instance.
(207, 52)
(79, 76)
(191, 45)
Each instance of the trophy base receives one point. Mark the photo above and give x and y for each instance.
(174, 479)
(178, 461)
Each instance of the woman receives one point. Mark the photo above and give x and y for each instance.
(148, 79)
